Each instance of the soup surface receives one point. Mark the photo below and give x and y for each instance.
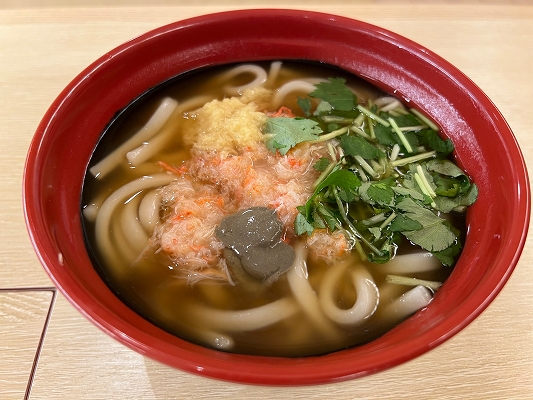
(281, 209)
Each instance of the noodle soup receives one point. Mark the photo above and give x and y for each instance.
(211, 209)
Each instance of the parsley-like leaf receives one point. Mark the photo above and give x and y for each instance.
(321, 164)
(302, 226)
(305, 105)
(447, 204)
(434, 235)
(404, 223)
(342, 178)
(357, 146)
(288, 132)
(336, 93)
(432, 139)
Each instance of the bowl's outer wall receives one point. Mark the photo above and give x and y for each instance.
(485, 147)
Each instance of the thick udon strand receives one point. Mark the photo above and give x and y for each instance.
(367, 295)
(305, 295)
(407, 304)
(411, 263)
(149, 211)
(154, 124)
(130, 223)
(247, 319)
(102, 232)
(258, 73)
(299, 86)
(273, 74)
(152, 147)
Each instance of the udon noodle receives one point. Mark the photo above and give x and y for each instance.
(191, 153)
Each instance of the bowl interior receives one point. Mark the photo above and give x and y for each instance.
(485, 148)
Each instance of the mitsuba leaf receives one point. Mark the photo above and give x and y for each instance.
(431, 139)
(378, 192)
(318, 222)
(447, 204)
(385, 135)
(447, 256)
(448, 187)
(357, 146)
(435, 235)
(288, 132)
(328, 216)
(342, 178)
(323, 108)
(305, 105)
(445, 167)
(382, 258)
(381, 192)
(402, 120)
(409, 191)
(301, 225)
(336, 93)
(376, 231)
(321, 164)
(347, 195)
(404, 223)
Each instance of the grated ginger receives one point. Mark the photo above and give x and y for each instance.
(230, 124)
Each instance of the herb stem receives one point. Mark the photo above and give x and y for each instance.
(400, 134)
(337, 119)
(371, 128)
(324, 174)
(359, 131)
(425, 189)
(366, 166)
(394, 152)
(425, 181)
(351, 226)
(359, 120)
(412, 128)
(415, 158)
(389, 219)
(375, 219)
(370, 114)
(331, 152)
(404, 280)
(330, 135)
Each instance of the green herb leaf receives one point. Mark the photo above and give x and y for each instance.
(288, 132)
(321, 164)
(336, 93)
(357, 146)
(301, 225)
(305, 105)
(385, 135)
(378, 192)
(342, 178)
(431, 139)
(447, 204)
(404, 223)
(448, 255)
(445, 167)
(328, 216)
(435, 235)
(323, 108)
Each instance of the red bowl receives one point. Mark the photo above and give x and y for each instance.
(485, 148)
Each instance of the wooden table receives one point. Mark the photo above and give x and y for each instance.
(48, 350)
